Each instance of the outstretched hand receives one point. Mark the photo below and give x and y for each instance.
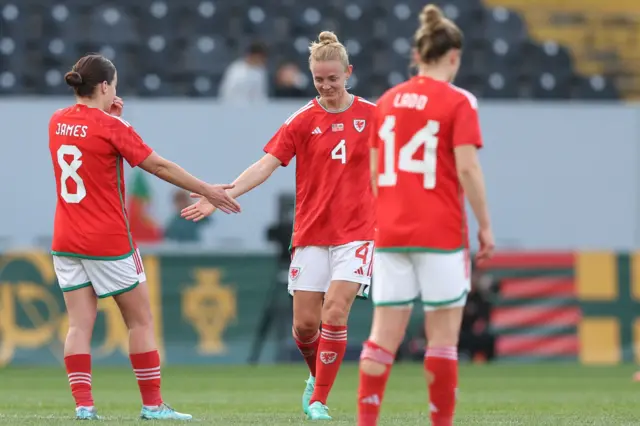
(218, 197)
(199, 210)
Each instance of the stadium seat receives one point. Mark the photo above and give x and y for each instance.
(112, 24)
(206, 17)
(181, 47)
(594, 88)
(17, 19)
(153, 84)
(157, 16)
(205, 54)
(501, 86)
(500, 23)
(550, 85)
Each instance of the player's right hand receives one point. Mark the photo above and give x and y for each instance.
(218, 197)
(487, 245)
(199, 210)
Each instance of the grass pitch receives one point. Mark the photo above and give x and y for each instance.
(490, 395)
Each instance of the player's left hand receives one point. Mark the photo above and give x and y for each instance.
(487, 245)
(199, 210)
(116, 107)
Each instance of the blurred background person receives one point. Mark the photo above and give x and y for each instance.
(180, 230)
(246, 79)
(289, 82)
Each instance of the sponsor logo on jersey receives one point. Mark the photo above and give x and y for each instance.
(337, 127)
(328, 357)
(359, 125)
(294, 272)
(316, 131)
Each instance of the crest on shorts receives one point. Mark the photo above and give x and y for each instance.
(359, 125)
(294, 272)
(328, 357)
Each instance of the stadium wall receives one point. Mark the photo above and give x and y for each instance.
(561, 176)
(211, 309)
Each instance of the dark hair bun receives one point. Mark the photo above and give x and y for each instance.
(73, 79)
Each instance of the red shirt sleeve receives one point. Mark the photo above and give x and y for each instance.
(374, 139)
(466, 125)
(283, 144)
(128, 143)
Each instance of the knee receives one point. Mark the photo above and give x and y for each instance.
(305, 327)
(442, 338)
(140, 319)
(374, 360)
(80, 332)
(335, 312)
(372, 368)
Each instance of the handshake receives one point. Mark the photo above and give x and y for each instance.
(216, 197)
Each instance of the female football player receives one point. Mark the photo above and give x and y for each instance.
(332, 237)
(423, 160)
(94, 254)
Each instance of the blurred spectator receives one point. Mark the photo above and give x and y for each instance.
(143, 225)
(477, 342)
(179, 229)
(289, 82)
(245, 80)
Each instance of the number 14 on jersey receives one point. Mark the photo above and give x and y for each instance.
(424, 137)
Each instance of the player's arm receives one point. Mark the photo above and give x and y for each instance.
(279, 151)
(373, 166)
(466, 141)
(174, 174)
(255, 175)
(132, 148)
(472, 181)
(374, 143)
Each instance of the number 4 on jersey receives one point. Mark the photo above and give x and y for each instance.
(340, 152)
(424, 137)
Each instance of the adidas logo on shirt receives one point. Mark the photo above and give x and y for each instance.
(316, 131)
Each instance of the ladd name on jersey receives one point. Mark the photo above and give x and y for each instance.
(75, 130)
(410, 101)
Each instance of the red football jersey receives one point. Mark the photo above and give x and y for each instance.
(334, 201)
(420, 201)
(87, 147)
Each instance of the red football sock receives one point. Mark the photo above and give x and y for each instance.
(308, 347)
(333, 344)
(79, 374)
(371, 389)
(146, 367)
(441, 367)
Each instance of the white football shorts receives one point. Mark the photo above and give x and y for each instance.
(440, 280)
(107, 277)
(314, 267)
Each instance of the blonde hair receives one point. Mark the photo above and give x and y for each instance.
(328, 48)
(436, 35)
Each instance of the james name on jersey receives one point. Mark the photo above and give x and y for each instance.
(75, 130)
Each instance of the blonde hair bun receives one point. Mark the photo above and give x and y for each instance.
(431, 16)
(327, 37)
(328, 48)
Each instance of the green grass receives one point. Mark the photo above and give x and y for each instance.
(490, 395)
